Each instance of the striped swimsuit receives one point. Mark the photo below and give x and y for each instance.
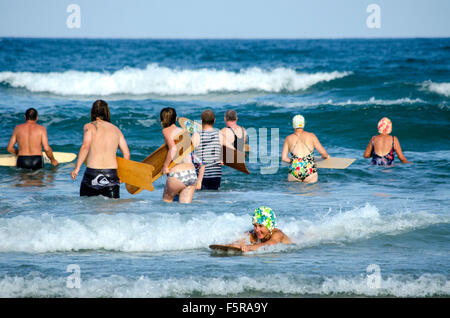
(209, 152)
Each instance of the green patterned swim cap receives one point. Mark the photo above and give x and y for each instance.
(265, 216)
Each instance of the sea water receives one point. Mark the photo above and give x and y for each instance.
(362, 231)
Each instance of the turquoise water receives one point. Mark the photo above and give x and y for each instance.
(395, 219)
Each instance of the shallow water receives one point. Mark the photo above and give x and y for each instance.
(395, 219)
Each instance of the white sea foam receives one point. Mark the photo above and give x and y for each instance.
(147, 122)
(37, 285)
(156, 232)
(363, 223)
(439, 88)
(155, 79)
(370, 101)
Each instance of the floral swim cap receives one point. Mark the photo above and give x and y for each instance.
(385, 126)
(265, 216)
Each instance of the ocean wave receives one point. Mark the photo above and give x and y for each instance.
(156, 232)
(439, 88)
(116, 286)
(349, 102)
(159, 80)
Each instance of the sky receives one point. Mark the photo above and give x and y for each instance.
(225, 18)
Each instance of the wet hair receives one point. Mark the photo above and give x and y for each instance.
(230, 115)
(31, 114)
(208, 117)
(168, 116)
(100, 110)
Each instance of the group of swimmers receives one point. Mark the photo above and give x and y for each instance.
(200, 171)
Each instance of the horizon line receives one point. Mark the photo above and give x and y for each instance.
(225, 38)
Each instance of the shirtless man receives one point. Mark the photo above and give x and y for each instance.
(30, 138)
(100, 142)
(234, 136)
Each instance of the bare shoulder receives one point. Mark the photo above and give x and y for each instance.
(226, 131)
(310, 135)
(291, 138)
(396, 141)
(114, 127)
(88, 126)
(279, 236)
(169, 132)
(18, 128)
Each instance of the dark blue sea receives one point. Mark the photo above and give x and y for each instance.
(363, 231)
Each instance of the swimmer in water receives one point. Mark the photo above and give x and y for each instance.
(384, 144)
(301, 145)
(264, 231)
(101, 140)
(30, 138)
(181, 178)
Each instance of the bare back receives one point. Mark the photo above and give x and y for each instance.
(383, 144)
(231, 133)
(301, 145)
(105, 138)
(170, 133)
(29, 138)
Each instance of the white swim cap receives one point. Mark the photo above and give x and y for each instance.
(298, 121)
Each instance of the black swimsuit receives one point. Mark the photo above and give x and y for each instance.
(238, 142)
(30, 162)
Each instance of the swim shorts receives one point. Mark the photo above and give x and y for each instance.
(103, 182)
(30, 162)
(211, 183)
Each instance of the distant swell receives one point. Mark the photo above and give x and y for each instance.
(348, 102)
(160, 80)
(438, 88)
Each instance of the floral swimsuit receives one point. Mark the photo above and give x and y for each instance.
(303, 167)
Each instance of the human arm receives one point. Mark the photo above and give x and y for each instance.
(222, 143)
(123, 146)
(84, 150)
(170, 142)
(244, 240)
(285, 151)
(195, 140)
(11, 144)
(368, 150)
(276, 238)
(319, 147)
(399, 152)
(201, 173)
(47, 148)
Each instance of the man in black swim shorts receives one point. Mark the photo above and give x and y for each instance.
(30, 138)
(100, 142)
